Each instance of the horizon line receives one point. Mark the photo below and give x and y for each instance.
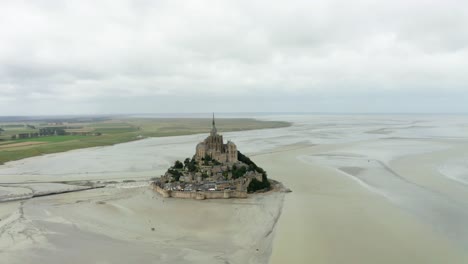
(241, 113)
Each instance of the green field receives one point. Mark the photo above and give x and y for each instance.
(49, 139)
(114, 131)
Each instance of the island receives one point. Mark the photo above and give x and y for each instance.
(217, 170)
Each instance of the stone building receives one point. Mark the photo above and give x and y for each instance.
(214, 147)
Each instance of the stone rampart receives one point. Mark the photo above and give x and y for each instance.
(199, 195)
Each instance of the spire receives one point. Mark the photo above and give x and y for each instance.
(214, 131)
(213, 121)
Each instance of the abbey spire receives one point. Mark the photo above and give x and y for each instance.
(214, 131)
(214, 147)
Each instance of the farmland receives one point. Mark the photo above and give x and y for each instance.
(109, 131)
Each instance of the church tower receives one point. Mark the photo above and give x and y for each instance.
(214, 131)
(214, 147)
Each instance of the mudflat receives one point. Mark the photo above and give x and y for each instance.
(358, 197)
(117, 225)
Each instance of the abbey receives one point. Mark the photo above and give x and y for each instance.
(214, 147)
(217, 170)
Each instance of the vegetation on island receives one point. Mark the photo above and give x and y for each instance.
(255, 184)
(237, 170)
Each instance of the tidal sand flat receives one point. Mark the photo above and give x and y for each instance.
(375, 200)
(114, 225)
(366, 189)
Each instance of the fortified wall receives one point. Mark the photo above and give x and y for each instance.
(199, 195)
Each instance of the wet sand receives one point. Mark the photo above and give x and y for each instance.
(359, 196)
(131, 225)
(332, 218)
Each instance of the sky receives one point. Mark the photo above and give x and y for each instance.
(336, 56)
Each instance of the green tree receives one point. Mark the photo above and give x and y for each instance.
(207, 157)
(178, 165)
(238, 172)
(252, 166)
(190, 165)
(256, 185)
(175, 173)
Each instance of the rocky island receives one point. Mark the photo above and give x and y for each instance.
(217, 170)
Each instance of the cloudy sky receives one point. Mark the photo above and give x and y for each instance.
(94, 57)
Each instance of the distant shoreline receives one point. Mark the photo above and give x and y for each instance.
(27, 118)
(112, 131)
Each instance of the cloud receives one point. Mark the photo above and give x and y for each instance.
(87, 54)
